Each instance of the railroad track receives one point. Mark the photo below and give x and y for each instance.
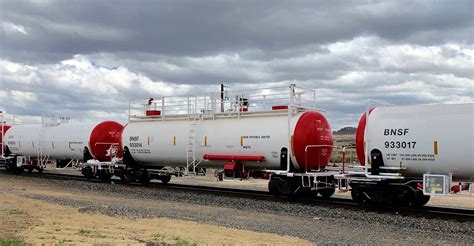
(457, 214)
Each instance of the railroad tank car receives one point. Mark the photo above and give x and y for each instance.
(256, 141)
(264, 141)
(417, 140)
(65, 141)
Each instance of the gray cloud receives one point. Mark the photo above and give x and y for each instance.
(60, 29)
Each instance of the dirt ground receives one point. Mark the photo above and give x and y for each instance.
(36, 222)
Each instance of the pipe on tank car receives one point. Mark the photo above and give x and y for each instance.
(306, 153)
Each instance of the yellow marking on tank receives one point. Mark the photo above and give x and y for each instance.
(174, 140)
(435, 147)
(148, 140)
(205, 141)
(241, 140)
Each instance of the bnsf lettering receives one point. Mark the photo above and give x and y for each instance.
(395, 132)
(134, 138)
(135, 145)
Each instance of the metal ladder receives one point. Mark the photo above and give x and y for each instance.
(191, 145)
(41, 156)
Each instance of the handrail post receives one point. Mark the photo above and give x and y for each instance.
(163, 108)
(314, 98)
(343, 157)
(129, 109)
(3, 133)
(239, 107)
(195, 105)
(189, 111)
(366, 139)
(264, 102)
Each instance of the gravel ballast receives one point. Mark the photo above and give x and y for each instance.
(319, 224)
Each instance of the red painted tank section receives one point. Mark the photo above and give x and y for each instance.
(312, 128)
(5, 128)
(233, 157)
(360, 139)
(104, 135)
(153, 113)
(284, 107)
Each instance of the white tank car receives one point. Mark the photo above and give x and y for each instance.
(255, 139)
(260, 131)
(428, 139)
(65, 140)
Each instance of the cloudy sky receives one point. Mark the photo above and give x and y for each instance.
(89, 57)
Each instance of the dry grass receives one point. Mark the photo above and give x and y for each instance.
(40, 222)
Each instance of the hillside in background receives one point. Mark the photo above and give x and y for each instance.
(345, 130)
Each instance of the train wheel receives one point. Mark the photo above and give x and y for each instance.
(372, 197)
(127, 176)
(104, 175)
(40, 169)
(123, 178)
(30, 169)
(421, 199)
(144, 177)
(165, 179)
(279, 186)
(358, 196)
(18, 170)
(87, 172)
(403, 196)
(327, 192)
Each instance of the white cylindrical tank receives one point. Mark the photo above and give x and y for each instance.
(258, 141)
(434, 139)
(64, 141)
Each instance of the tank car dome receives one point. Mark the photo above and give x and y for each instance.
(360, 138)
(104, 135)
(312, 128)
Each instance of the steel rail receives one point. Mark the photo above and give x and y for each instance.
(449, 213)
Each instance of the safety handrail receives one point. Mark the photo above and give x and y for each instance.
(238, 102)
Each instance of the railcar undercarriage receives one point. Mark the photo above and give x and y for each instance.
(387, 193)
(294, 185)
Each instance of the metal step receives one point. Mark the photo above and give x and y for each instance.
(191, 151)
